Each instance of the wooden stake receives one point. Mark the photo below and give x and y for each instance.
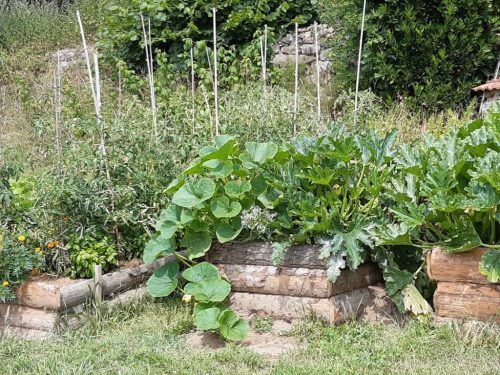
(360, 52)
(87, 60)
(263, 74)
(2, 117)
(120, 91)
(296, 92)
(497, 70)
(57, 109)
(216, 97)
(193, 89)
(149, 64)
(318, 85)
(265, 56)
(98, 295)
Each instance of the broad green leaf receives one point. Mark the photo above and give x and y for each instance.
(222, 207)
(270, 198)
(396, 279)
(197, 243)
(194, 193)
(258, 152)
(235, 189)
(318, 175)
(412, 216)
(207, 319)
(156, 246)
(171, 219)
(463, 239)
(223, 147)
(226, 232)
(490, 265)
(200, 272)
(175, 184)
(259, 185)
(212, 290)
(164, 281)
(232, 327)
(279, 252)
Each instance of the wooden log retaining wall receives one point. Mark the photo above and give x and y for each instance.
(462, 291)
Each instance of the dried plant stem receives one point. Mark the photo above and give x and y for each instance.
(3, 93)
(358, 72)
(216, 95)
(120, 91)
(318, 75)
(296, 91)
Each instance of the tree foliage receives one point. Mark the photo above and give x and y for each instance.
(428, 52)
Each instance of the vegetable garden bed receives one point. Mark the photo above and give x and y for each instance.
(462, 291)
(46, 303)
(298, 287)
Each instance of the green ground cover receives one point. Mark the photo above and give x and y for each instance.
(150, 338)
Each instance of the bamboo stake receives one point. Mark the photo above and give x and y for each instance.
(57, 109)
(263, 74)
(497, 70)
(210, 65)
(149, 64)
(120, 91)
(216, 97)
(87, 60)
(102, 142)
(193, 89)
(359, 64)
(316, 42)
(296, 91)
(265, 56)
(98, 290)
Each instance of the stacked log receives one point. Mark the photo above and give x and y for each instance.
(462, 291)
(298, 287)
(45, 303)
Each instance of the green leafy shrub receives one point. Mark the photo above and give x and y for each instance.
(18, 258)
(430, 53)
(178, 25)
(87, 252)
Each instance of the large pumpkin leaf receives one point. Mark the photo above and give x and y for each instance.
(211, 290)
(194, 193)
(226, 232)
(490, 265)
(197, 243)
(200, 272)
(258, 153)
(223, 207)
(231, 326)
(207, 319)
(156, 246)
(235, 189)
(164, 281)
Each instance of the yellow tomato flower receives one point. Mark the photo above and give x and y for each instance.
(38, 250)
(21, 238)
(187, 298)
(51, 245)
(5, 283)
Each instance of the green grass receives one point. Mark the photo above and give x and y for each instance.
(149, 338)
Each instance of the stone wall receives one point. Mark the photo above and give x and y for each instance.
(284, 49)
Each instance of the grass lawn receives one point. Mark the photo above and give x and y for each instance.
(149, 338)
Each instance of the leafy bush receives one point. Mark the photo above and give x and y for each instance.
(430, 53)
(87, 252)
(18, 258)
(178, 25)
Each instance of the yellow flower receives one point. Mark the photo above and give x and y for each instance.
(38, 250)
(5, 283)
(187, 298)
(21, 238)
(51, 245)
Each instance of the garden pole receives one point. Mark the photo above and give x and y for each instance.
(263, 74)
(87, 60)
(214, 12)
(150, 77)
(316, 42)
(98, 290)
(120, 91)
(57, 109)
(359, 63)
(265, 57)
(497, 70)
(296, 92)
(193, 89)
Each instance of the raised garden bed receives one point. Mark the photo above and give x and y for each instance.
(462, 291)
(45, 303)
(299, 286)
